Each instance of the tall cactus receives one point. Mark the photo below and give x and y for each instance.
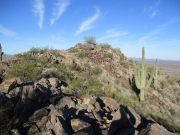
(1, 53)
(140, 76)
(155, 74)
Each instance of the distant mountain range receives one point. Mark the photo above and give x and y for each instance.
(7, 56)
(160, 61)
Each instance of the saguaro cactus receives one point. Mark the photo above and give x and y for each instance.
(1, 53)
(155, 74)
(141, 80)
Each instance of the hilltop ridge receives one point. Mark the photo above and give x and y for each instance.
(86, 70)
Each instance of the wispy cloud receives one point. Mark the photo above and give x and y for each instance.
(88, 23)
(153, 10)
(39, 10)
(154, 13)
(59, 8)
(7, 32)
(157, 31)
(112, 34)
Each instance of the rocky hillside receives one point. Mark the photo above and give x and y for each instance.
(86, 89)
(40, 108)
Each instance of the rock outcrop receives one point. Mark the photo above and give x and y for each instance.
(40, 108)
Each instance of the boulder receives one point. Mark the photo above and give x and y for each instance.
(122, 118)
(57, 124)
(6, 109)
(66, 102)
(43, 82)
(127, 131)
(33, 130)
(39, 114)
(135, 119)
(155, 129)
(49, 132)
(81, 127)
(97, 106)
(15, 92)
(40, 94)
(54, 82)
(89, 100)
(8, 85)
(25, 108)
(110, 103)
(41, 123)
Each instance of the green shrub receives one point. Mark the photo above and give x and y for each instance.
(72, 50)
(90, 40)
(62, 71)
(25, 56)
(43, 61)
(81, 86)
(96, 71)
(26, 70)
(82, 55)
(172, 111)
(108, 55)
(34, 50)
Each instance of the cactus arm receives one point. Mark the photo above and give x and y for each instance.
(156, 71)
(140, 76)
(137, 78)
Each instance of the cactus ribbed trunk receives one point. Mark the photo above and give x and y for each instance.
(141, 81)
(156, 74)
(141, 96)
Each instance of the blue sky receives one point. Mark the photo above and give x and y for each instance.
(60, 24)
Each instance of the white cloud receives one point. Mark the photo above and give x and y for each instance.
(149, 36)
(39, 10)
(7, 32)
(59, 8)
(112, 34)
(157, 31)
(88, 23)
(152, 11)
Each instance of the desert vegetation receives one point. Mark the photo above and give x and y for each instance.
(89, 70)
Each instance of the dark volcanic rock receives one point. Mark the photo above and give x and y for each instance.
(155, 129)
(109, 102)
(66, 101)
(39, 114)
(8, 85)
(123, 118)
(40, 108)
(6, 109)
(81, 127)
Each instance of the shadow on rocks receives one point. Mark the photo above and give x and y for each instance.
(133, 86)
(124, 125)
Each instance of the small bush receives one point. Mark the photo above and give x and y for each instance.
(35, 50)
(172, 111)
(81, 86)
(90, 40)
(108, 55)
(26, 70)
(62, 71)
(72, 50)
(82, 54)
(96, 71)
